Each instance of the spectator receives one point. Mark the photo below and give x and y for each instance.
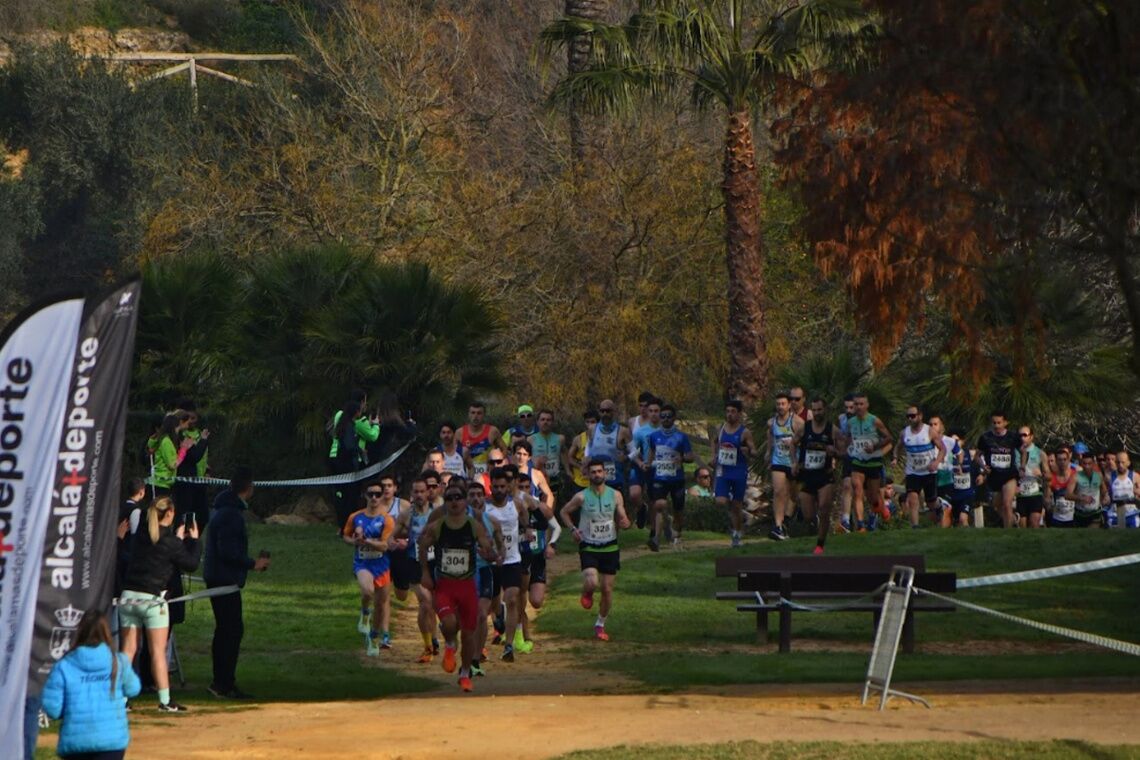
(169, 448)
(396, 428)
(88, 689)
(702, 489)
(227, 563)
(352, 431)
(159, 551)
(192, 497)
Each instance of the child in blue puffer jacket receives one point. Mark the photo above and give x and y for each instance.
(89, 689)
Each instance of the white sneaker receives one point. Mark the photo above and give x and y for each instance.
(362, 625)
(373, 647)
(677, 542)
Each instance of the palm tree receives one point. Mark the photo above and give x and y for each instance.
(733, 54)
(578, 61)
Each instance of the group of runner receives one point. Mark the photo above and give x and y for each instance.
(472, 540)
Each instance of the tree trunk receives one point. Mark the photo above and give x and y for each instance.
(577, 60)
(747, 343)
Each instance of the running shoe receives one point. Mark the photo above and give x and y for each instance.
(776, 534)
(586, 600)
(477, 670)
(386, 641)
(653, 545)
(642, 514)
(677, 542)
(818, 550)
(843, 527)
(600, 633)
(373, 648)
(426, 657)
(737, 542)
(497, 640)
(524, 646)
(508, 654)
(171, 707)
(362, 625)
(465, 683)
(449, 659)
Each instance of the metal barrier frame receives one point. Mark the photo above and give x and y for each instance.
(896, 599)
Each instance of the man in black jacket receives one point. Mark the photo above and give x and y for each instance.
(227, 563)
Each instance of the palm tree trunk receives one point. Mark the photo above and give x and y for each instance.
(577, 59)
(747, 343)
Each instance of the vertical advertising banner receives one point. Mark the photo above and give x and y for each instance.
(79, 543)
(37, 352)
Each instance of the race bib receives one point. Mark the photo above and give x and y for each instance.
(455, 562)
(509, 540)
(552, 467)
(814, 460)
(369, 553)
(478, 469)
(961, 481)
(1122, 490)
(665, 469)
(611, 471)
(783, 447)
(1028, 486)
(861, 448)
(1063, 510)
(919, 461)
(602, 532)
(1001, 461)
(431, 554)
(726, 456)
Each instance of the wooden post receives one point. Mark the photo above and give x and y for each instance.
(194, 85)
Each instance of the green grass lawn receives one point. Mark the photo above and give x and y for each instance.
(300, 643)
(1055, 750)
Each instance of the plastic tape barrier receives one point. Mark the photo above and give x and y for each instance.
(203, 594)
(1049, 572)
(854, 603)
(327, 480)
(1089, 638)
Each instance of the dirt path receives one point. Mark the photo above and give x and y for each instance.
(457, 726)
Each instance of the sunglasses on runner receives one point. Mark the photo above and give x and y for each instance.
(455, 497)
(912, 416)
(496, 461)
(375, 494)
(796, 398)
(525, 416)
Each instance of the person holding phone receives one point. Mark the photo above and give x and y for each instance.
(227, 564)
(160, 551)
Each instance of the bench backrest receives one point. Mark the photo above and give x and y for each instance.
(727, 567)
(838, 583)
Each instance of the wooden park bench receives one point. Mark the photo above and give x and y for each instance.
(848, 582)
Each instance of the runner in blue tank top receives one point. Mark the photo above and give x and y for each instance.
(783, 430)
(734, 447)
(608, 443)
(640, 476)
(669, 449)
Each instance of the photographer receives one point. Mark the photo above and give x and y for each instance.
(227, 563)
(352, 431)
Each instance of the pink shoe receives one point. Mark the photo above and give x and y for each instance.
(587, 600)
(817, 551)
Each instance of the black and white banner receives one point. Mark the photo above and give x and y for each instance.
(78, 565)
(36, 357)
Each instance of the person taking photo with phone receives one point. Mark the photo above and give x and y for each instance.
(227, 563)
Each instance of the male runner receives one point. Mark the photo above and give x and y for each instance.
(577, 454)
(536, 546)
(1061, 515)
(640, 474)
(734, 447)
(484, 571)
(537, 483)
(522, 429)
(1032, 469)
(456, 539)
(608, 443)
(1088, 492)
(477, 438)
(818, 445)
(512, 518)
(945, 474)
(869, 441)
(966, 475)
(783, 429)
(669, 448)
(1124, 490)
(924, 454)
(801, 409)
(600, 515)
(846, 492)
(451, 456)
(409, 526)
(996, 449)
(368, 531)
(550, 453)
(645, 418)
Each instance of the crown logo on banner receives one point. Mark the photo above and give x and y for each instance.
(69, 616)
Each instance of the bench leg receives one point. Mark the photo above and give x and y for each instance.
(785, 630)
(761, 626)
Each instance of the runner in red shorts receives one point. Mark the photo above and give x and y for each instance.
(456, 538)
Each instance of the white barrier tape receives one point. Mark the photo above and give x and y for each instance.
(325, 480)
(203, 594)
(1089, 638)
(1049, 572)
(785, 602)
